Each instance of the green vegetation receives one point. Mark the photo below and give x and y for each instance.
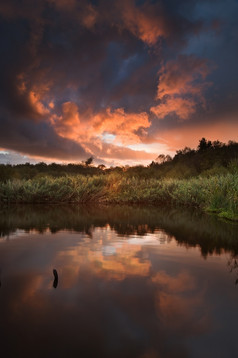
(217, 193)
(210, 158)
(205, 178)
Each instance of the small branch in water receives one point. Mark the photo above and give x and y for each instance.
(55, 283)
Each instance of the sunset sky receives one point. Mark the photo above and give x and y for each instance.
(122, 80)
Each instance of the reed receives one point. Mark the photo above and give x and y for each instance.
(217, 193)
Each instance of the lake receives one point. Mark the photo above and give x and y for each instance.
(128, 281)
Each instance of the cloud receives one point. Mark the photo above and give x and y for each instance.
(181, 87)
(67, 125)
(11, 157)
(123, 125)
(182, 76)
(182, 107)
(38, 139)
(145, 22)
(153, 21)
(122, 129)
(75, 72)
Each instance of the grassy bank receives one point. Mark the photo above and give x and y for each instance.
(217, 193)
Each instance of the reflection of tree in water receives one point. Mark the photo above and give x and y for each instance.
(188, 227)
(232, 264)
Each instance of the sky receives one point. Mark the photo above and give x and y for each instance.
(122, 81)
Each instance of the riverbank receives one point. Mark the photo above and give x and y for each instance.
(218, 194)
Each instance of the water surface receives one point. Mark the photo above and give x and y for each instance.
(129, 281)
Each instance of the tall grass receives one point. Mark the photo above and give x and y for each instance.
(217, 193)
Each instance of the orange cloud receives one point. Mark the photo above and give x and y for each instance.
(118, 154)
(123, 125)
(181, 106)
(67, 125)
(91, 132)
(143, 22)
(89, 17)
(35, 95)
(181, 86)
(35, 100)
(178, 77)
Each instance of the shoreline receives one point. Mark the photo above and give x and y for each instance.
(217, 195)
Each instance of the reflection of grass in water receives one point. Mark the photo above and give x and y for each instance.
(189, 227)
(218, 193)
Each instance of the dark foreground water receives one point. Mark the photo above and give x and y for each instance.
(140, 282)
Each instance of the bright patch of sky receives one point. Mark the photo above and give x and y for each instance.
(157, 148)
(108, 137)
(11, 157)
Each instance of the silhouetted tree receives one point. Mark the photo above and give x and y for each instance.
(204, 144)
(89, 161)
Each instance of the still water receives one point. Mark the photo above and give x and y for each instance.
(128, 281)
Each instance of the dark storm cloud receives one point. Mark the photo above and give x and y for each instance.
(37, 139)
(105, 61)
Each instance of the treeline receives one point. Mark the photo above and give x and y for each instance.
(208, 159)
(55, 170)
